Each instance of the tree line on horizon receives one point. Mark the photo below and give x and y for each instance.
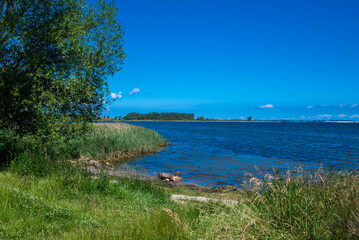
(162, 116)
(159, 116)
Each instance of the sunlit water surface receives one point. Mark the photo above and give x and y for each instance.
(225, 153)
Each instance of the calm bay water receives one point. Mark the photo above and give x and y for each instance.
(222, 153)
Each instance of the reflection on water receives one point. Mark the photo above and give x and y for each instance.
(221, 153)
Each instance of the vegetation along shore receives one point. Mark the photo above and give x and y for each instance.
(189, 117)
(43, 195)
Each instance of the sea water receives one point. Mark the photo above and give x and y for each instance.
(225, 153)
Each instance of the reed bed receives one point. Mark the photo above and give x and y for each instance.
(118, 142)
(292, 205)
(114, 143)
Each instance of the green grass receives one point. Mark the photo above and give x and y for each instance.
(49, 208)
(115, 142)
(76, 206)
(42, 196)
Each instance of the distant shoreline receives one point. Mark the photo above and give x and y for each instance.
(242, 121)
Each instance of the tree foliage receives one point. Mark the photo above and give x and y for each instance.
(55, 58)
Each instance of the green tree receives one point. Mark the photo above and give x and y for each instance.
(55, 58)
(249, 118)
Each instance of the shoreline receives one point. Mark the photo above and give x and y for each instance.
(223, 121)
(96, 168)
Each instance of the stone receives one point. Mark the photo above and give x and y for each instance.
(164, 176)
(93, 163)
(176, 179)
(178, 174)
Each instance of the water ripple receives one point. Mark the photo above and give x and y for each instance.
(221, 153)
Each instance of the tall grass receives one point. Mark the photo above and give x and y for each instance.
(118, 142)
(307, 205)
(111, 142)
(320, 205)
(299, 205)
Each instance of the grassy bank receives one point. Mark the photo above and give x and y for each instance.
(44, 197)
(64, 207)
(77, 206)
(117, 142)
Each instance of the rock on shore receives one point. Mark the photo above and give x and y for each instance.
(170, 177)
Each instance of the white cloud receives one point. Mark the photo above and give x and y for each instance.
(342, 115)
(324, 116)
(135, 91)
(354, 116)
(354, 105)
(302, 117)
(310, 107)
(115, 95)
(267, 106)
(342, 105)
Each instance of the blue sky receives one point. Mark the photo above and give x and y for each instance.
(232, 59)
